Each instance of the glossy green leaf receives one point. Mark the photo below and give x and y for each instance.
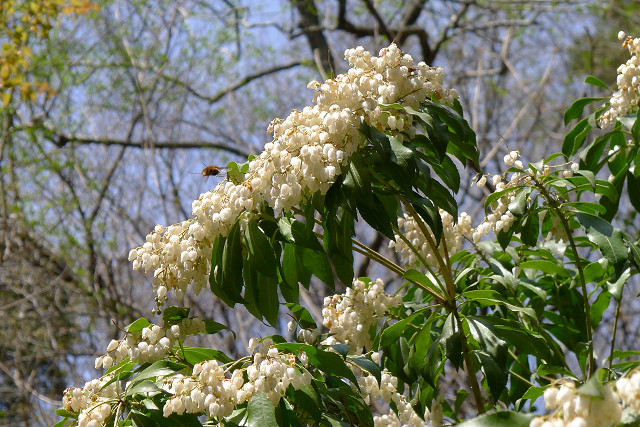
(500, 419)
(260, 411)
(491, 297)
(495, 376)
(367, 365)
(391, 334)
(548, 267)
(137, 325)
(451, 341)
(145, 387)
(417, 277)
(575, 138)
(212, 327)
(485, 334)
(616, 286)
(594, 81)
(302, 315)
(142, 420)
(159, 369)
(259, 250)
(519, 204)
(172, 315)
(326, 361)
(194, 355)
(606, 237)
(576, 109)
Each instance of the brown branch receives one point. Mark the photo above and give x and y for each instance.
(383, 26)
(61, 139)
(410, 18)
(310, 24)
(246, 80)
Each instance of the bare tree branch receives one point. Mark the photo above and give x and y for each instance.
(245, 81)
(314, 32)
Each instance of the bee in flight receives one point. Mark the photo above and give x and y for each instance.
(213, 171)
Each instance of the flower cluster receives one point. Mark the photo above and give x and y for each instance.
(387, 391)
(306, 155)
(572, 409)
(212, 391)
(93, 401)
(452, 236)
(150, 344)
(350, 316)
(628, 389)
(625, 99)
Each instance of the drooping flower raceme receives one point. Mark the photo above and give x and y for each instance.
(305, 156)
(452, 235)
(150, 344)
(571, 408)
(626, 97)
(350, 316)
(628, 389)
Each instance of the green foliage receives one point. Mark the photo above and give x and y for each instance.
(504, 310)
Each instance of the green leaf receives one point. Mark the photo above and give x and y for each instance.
(633, 187)
(137, 325)
(500, 419)
(317, 262)
(307, 398)
(143, 387)
(485, 334)
(391, 334)
(491, 297)
(141, 420)
(451, 341)
(417, 277)
(576, 109)
(495, 376)
(159, 369)
(302, 315)
(62, 423)
(367, 365)
(606, 237)
(297, 232)
(617, 286)
(225, 279)
(519, 204)
(172, 315)
(328, 362)
(593, 387)
(260, 411)
(594, 81)
(212, 327)
(194, 355)
(64, 413)
(575, 138)
(548, 267)
(260, 252)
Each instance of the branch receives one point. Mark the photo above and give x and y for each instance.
(61, 139)
(24, 385)
(378, 18)
(310, 25)
(246, 80)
